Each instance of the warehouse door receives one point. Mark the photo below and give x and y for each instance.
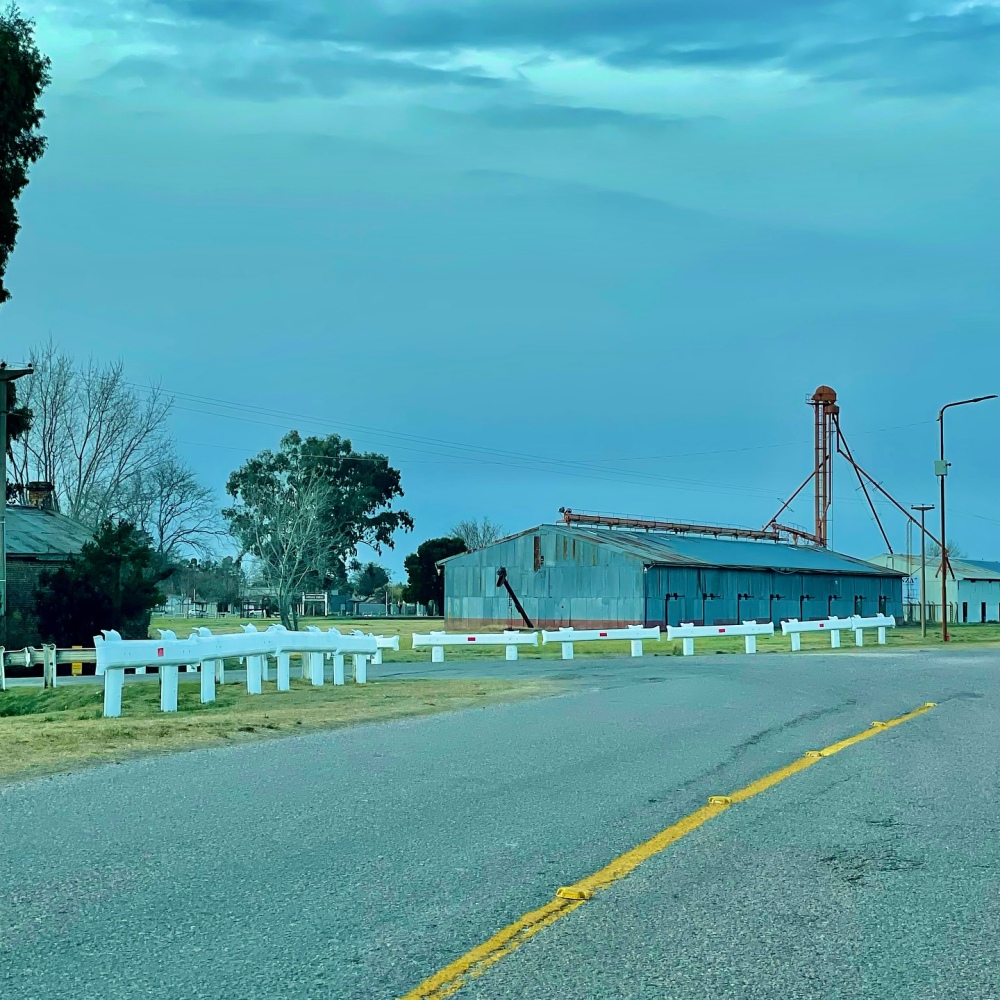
(674, 593)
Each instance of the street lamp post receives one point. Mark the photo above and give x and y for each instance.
(941, 470)
(923, 508)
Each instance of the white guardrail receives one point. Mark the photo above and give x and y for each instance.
(438, 640)
(634, 633)
(687, 633)
(855, 623)
(208, 652)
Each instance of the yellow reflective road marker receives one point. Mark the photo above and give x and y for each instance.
(474, 963)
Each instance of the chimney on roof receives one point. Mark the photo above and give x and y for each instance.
(41, 495)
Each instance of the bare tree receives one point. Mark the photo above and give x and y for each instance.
(281, 526)
(91, 433)
(478, 534)
(166, 501)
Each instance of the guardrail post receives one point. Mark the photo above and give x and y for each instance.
(253, 675)
(859, 637)
(796, 638)
(220, 671)
(377, 658)
(168, 688)
(284, 671)
(750, 643)
(338, 669)
(114, 681)
(48, 665)
(510, 652)
(687, 647)
(567, 650)
(207, 669)
(835, 639)
(881, 635)
(636, 647)
(3, 672)
(437, 654)
(360, 668)
(315, 669)
(265, 667)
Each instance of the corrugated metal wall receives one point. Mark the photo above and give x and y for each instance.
(566, 580)
(721, 596)
(576, 582)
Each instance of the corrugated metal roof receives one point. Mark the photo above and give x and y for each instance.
(665, 549)
(963, 569)
(693, 550)
(34, 532)
(991, 569)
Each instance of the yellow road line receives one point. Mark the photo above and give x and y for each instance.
(449, 980)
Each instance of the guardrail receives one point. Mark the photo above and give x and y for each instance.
(438, 640)
(880, 622)
(114, 655)
(855, 623)
(567, 636)
(47, 657)
(687, 633)
(834, 626)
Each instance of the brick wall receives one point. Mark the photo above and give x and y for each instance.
(22, 618)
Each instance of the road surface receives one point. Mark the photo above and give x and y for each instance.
(356, 863)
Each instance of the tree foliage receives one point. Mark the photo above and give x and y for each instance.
(424, 584)
(24, 74)
(478, 534)
(209, 579)
(111, 584)
(302, 511)
(370, 580)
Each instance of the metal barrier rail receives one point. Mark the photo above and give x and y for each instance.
(833, 625)
(687, 633)
(438, 640)
(633, 633)
(880, 622)
(168, 653)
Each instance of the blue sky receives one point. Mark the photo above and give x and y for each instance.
(592, 253)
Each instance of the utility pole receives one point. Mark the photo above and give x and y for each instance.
(7, 375)
(923, 508)
(941, 471)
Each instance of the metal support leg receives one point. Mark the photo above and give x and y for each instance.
(511, 652)
(114, 681)
(168, 689)
(567, 650)
(796, 642)
(207, 681)
(338, 669)
(636, 645)
(284, 671)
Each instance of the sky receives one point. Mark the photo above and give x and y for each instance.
(581, 253)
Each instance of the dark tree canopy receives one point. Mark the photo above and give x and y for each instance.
(370, 580)
(111, 584)
(24, 74)
(424, 584)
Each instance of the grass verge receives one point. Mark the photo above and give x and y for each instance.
(42, 732)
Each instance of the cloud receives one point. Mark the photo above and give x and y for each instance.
(566, 116)
(286, 74)
(901, 46)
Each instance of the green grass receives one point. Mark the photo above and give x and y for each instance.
(53, 730)
(404, 628)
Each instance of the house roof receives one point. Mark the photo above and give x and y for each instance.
(666, 549)
(35, 532)
(963, 569)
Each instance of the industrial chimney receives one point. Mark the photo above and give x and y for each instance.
(41, 495)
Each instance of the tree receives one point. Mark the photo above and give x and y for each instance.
(18, 425)
(478, 534)
(111, 584)
(955, 551)
(24, 74)
(424, 584)
(370, 580)
(166, 501)
(207, 579)
(91, 433)
(301, 512)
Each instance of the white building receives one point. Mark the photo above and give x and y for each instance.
(973, 593)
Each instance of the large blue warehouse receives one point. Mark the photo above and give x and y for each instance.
(592, 576)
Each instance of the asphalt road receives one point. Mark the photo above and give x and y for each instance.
(353, 864)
